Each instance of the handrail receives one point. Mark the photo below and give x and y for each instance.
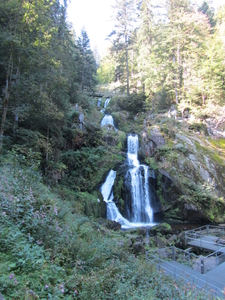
(216, 289)
(205, 240)
(187, 258)
(206, 227)
(214, 253)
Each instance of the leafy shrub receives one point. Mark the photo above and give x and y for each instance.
(134, 103)
(198, 127)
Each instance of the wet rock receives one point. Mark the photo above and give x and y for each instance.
(138, 248)
(113, 225)
(143, 231)
(162, 228)
(170, 190)
(192, 213)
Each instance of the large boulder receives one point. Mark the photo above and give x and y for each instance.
(162, 228)
(151, 138)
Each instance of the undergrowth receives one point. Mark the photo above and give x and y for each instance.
(45, 256)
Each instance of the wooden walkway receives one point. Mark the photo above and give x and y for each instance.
(210, 272)
(213, 281)
(207, 242)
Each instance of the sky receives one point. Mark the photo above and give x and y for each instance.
(95, 16)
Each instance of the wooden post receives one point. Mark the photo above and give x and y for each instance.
(173, 253)
(202, 265)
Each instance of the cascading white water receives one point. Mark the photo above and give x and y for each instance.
(99, 102)
(132, 150)
(106, 188)
(107, 120)
(141, 213)
(141, 210)
(107, 193)
(106, 102)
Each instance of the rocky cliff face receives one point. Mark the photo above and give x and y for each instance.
(187, 155)
(190, 168)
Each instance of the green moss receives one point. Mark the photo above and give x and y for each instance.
(170, 143)
(215, 157)
(198, 127)
(118, 188)
(219, 143)
(152, 163)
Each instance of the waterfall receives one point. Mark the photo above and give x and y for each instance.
(132, 150)
(107, 193)
(106, 188)
(107, 120)
(105, 105)
(106, 102)
(99, 102)
(139, 211)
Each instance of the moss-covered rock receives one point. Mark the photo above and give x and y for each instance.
(162, 228)
(190, 173)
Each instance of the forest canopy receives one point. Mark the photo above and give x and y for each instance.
(172, 51)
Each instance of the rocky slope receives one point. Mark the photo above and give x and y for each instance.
(187, 154)
(190, 168)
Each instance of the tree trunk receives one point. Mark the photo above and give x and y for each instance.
(5, 109)
(175, 84)
(6, 99)
(127, 68)
(47, 143)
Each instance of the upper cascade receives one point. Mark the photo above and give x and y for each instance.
(99, 102)
(107, 120)
(106, 102)
(132, 150)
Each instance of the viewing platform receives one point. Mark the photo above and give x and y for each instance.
(211, 238)
(206, 272)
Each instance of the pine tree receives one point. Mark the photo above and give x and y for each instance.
(124, 19)
(88, 65)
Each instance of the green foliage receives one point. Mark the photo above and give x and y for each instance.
(87, 166)
(198, 127)
(87, 62)
(134, 103)
(106, 70)
(162, 152)
(152, 163)
(203, 197)
(47, 250)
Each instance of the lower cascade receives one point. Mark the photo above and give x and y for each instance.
(138, 205)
